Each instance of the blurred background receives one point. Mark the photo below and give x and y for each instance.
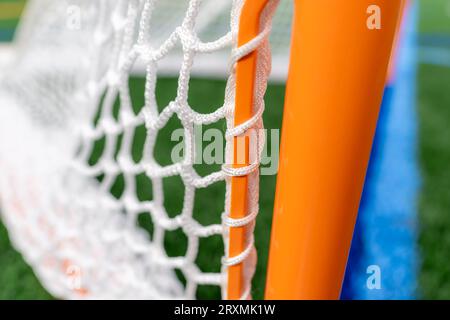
(404, 221)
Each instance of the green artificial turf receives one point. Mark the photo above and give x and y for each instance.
(434, 16)
(434, 222)
(434, 147)
(17, 280)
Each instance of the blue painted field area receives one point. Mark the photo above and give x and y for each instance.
(385, 240)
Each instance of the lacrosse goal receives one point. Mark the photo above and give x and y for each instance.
(79, 159)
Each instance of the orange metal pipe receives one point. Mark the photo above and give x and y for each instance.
(336, 79)
(249, 27)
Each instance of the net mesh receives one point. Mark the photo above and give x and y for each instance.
(72, 161)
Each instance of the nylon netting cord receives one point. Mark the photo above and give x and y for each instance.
(58, 206)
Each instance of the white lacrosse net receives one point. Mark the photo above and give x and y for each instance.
(66, 92)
